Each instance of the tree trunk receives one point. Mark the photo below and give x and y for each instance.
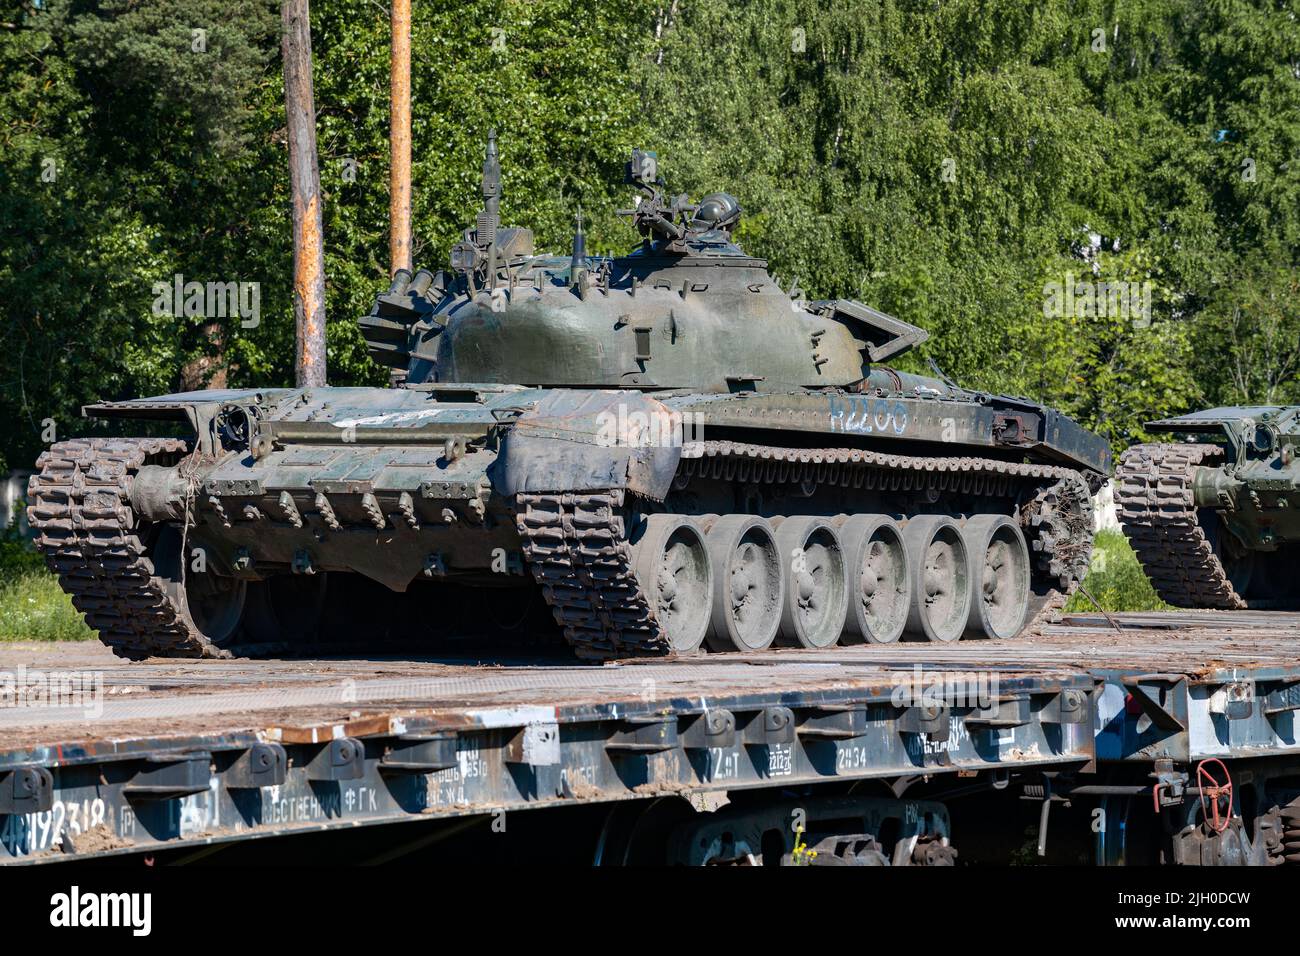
(399, 88)
(304, 181)
(207, 370)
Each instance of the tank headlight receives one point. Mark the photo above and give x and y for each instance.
(234, 426)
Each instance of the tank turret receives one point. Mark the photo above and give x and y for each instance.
(684, 309)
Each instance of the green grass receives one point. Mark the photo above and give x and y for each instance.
(1115, 579)
(32, 605)
(34, 608)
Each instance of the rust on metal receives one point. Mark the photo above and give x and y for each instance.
(399, 209)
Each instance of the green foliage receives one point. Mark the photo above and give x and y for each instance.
(17, 555)
(1252, 326)
(116, 172)
(947, 161)
(1115, 579)
(32, 605)
(34, 608)
(944, 161)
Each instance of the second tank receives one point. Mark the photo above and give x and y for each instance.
(1214, 515)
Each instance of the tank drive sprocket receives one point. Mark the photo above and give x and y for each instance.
(1059, 527)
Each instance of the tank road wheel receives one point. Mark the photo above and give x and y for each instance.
(936, 556)
(816, 597)
(880, 588)
(210, 603)
(748, 586)
(999, 575)
(672, 567)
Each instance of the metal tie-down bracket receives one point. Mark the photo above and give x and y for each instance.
(770, 726)
(644, 735)
(536, 744)
(834, 723)
(1235, 700)
(929, 719)
(26, 790)
(1283, 698)
(261, 765)
(713, 729)
(1070, 706)
(343, 758)
(1148, 698)
(1003, 712)
(420, 753)
(168, 776)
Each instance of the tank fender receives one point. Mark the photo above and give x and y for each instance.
(577, 440)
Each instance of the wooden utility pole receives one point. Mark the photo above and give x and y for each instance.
(399, 111)
(304, 182)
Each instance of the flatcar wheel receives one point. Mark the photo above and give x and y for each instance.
(999, 575)
(213, 603)
(672, 567)
(816, 594)
(748, 586)
(640, 834)
(936, 556)
(880, 588)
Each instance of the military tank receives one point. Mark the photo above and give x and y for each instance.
(665, 451)
(1215, 517)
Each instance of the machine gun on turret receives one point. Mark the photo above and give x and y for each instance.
(475, 255)
(654, 217)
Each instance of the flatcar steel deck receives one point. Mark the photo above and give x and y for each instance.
(170, 753)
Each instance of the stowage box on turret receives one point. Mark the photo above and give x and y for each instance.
(1215, 518)
(666, 447)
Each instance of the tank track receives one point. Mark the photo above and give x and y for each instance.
(577, 548)
(1157, 508)
(80, 507)
(858, 468)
